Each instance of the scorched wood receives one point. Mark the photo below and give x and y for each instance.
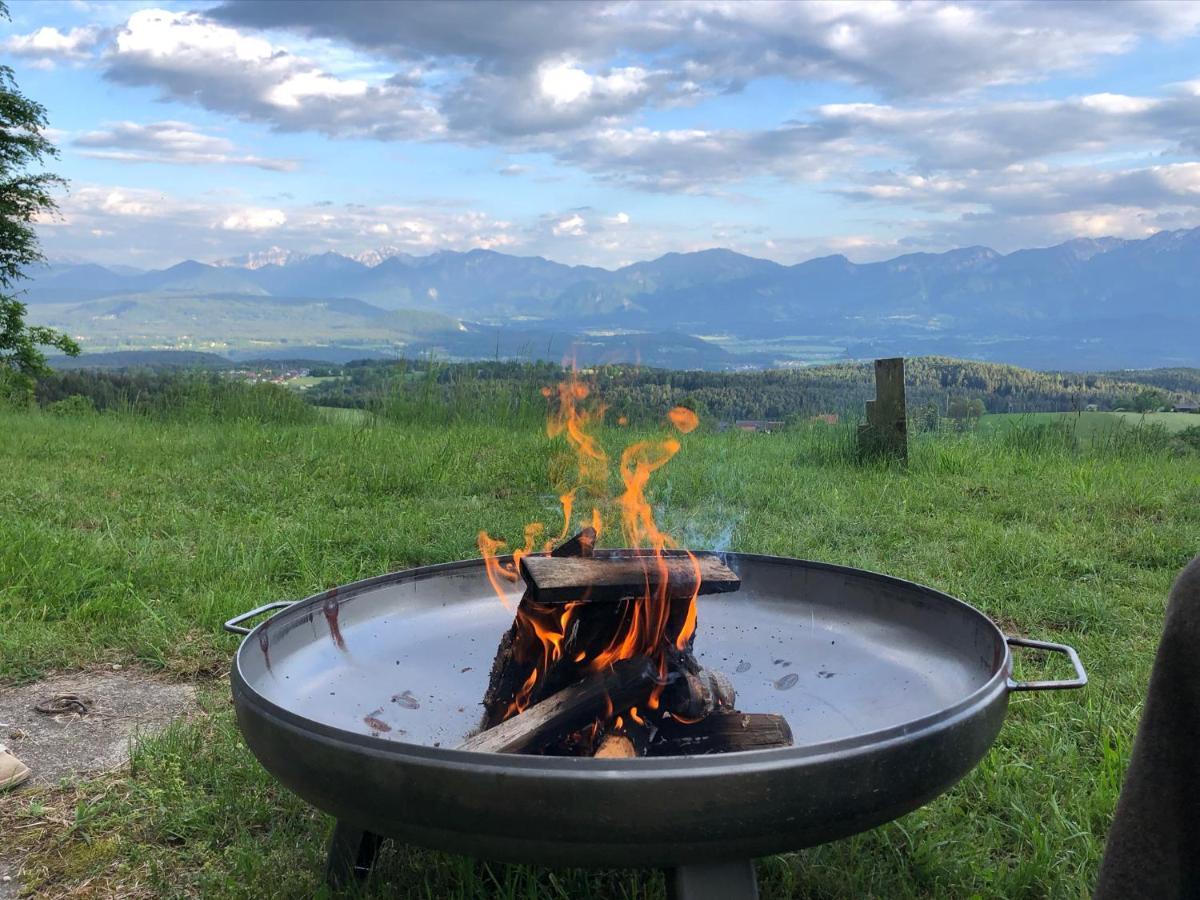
(507, 677)
(552, 580)
(721, 732)
(568, 710)
(581, 544)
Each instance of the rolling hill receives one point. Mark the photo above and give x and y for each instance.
(1083, 304)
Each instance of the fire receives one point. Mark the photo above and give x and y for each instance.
(647, 626)
(684, 419)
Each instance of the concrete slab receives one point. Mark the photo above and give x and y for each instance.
(10, 888)
(71, 745)
(125, 704)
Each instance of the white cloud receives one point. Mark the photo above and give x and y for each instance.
(178, 143)
(49, 45)
(565, 83)
(573, 225)
(194, 59)
(254, 220)
(155, 228)
(936, 47)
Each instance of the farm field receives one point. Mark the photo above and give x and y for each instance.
(1089, 424)
(128, 540)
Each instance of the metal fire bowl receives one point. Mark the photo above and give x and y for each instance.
(894, 691)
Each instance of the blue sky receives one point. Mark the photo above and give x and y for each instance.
(604, 133)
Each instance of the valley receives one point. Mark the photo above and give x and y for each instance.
(1081, 305)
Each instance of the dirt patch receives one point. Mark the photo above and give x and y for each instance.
(123, 705)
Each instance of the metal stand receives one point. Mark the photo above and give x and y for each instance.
(351, 854)
(713, 881)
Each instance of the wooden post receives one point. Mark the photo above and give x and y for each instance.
(886, 430)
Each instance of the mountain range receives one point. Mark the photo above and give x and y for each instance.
(1083, 304)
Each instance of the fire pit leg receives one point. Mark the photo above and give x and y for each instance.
(713, 881)
(351, 854)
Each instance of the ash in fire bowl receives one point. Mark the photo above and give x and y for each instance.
(599, 662)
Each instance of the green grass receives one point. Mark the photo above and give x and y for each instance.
(129, 539)
(344, 415)
(303, 382)
(1089, 424)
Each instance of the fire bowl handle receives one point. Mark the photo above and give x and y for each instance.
(1078, 681)
(234, 625)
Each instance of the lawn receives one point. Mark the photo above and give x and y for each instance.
(128, 540)
(1090, 424)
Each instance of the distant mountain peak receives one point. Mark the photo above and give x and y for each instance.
(377, 255)
(272, 256)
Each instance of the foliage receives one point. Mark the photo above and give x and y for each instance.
(1191, 437)
(24, 195)
(187, 396)
(1175, 380)
(74, 405)
(1147, 400)
(642, 394)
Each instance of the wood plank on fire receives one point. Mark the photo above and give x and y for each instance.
(627, 683)
(554, 580)
(581, 544)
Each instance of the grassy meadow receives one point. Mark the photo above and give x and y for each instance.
(1092, 425)
(128, 539)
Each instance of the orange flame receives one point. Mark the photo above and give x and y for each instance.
(684, 419)
(643, 620)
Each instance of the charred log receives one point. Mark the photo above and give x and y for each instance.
(504, 681)
(569, 710)
(721, 732)
(693, 695)
(581, 545)
(507, 678)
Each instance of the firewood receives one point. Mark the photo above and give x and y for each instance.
(626, 684)
(506, 678)
(553, 580)
(693, 695)
(616, 746)
(721, 732)
(581, 544)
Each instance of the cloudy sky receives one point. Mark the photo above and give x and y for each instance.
(606, 132)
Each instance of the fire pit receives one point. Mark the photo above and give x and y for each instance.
(359, 699)
(642, 707)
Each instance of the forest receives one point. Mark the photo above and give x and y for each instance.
(841, 388)
(405, 388)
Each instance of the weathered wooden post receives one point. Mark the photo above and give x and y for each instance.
(886, 430)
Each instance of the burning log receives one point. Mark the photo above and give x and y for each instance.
(545, 695)
(557, 580)
(721, 732)
(581, 544)
(569, 710)
(506, 678)
(694, 695)
(584, 616)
